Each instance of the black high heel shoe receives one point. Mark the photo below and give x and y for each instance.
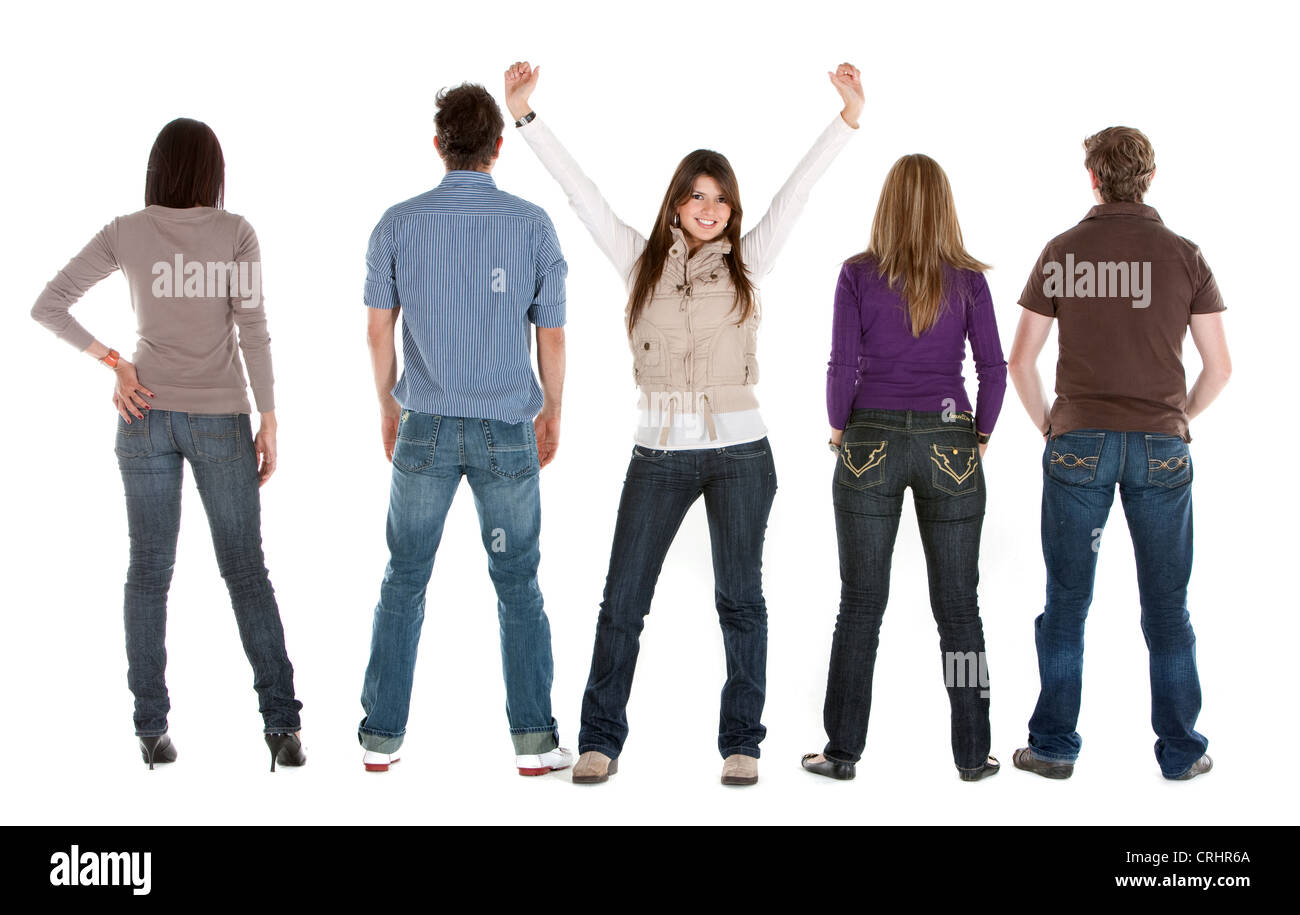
(286, 749)
(157, 749)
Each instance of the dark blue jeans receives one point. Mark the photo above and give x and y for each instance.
(500, 461)
(738, 484)
(1154, 473)
(151, 453)
(882, 454)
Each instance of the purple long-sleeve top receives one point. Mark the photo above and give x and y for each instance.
(876, 363)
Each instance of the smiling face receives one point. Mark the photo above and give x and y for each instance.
(706, 212)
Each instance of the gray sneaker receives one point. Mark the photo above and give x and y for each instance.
(1025, 759)
(1200, 767)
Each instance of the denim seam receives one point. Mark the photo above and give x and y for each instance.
(542, 730)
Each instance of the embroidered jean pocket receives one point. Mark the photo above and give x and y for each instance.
(417, 436)
(1169, 463)
(1073, 457)
(954, 469)
(217, 438)
(511, 447)
(133, 438)
(862, 464)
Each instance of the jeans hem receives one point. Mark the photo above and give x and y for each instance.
(1048, 757)
(598, 748)
(140, 733)
(379, 741)
(534, 742)
(739, 751)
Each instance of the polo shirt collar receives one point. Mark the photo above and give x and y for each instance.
(1140, 210)
(467, 179)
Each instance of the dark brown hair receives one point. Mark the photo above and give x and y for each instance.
(650, 265)
(468, 123)
(915, 233)
(186, 167)
(1122, 159)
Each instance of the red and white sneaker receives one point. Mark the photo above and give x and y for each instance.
(551, 761)
(378, 762)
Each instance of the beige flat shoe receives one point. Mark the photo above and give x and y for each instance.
(593, 767)
(739, 770)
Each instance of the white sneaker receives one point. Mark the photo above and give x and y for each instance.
(551, 761)
(378, 762)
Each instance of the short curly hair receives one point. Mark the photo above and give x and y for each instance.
(468, 124)
(1122, 159)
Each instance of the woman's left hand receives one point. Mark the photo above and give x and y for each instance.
(984, 446)
(264, 445)
(847, 80)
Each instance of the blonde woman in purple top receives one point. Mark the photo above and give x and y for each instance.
(900, 418)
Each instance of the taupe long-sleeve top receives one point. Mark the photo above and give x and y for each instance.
(194, 275)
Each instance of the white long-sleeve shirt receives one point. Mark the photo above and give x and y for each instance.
(623, 245)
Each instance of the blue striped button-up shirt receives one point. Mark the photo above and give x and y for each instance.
(470, 266)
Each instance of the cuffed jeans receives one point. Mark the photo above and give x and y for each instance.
(738, 483)
(1154, 473)
(151, 452)
(499, 459)
(882, 453)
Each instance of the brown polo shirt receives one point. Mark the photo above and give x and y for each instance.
(1122, 288)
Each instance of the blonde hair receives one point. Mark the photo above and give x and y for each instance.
(914, 234)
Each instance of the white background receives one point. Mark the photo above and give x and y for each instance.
(324, 113)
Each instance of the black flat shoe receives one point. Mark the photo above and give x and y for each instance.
(991, 767)
(286, 749)
(157, 750)
(831, 768)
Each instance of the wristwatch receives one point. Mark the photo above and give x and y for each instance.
(525, 119)
(982, 437)
(110, 358)
(835, 449)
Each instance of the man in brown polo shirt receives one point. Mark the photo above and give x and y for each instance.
(1124, 290)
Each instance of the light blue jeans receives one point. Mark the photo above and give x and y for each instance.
(500, 461)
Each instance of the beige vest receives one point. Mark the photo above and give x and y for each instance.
(689, 354)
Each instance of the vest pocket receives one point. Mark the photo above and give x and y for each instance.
(649, 354)
(729, 361)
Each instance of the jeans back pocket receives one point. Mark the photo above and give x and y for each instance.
(955, 469)
(511, 447)
(862, 463)
(217, 437)
(1073, 457)
(417, 437)
(1169, 461)
(133, 438)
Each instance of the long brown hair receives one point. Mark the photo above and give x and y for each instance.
(650, 265)
(186, 167)
(915, 233)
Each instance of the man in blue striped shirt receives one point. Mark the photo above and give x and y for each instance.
(468, 268)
